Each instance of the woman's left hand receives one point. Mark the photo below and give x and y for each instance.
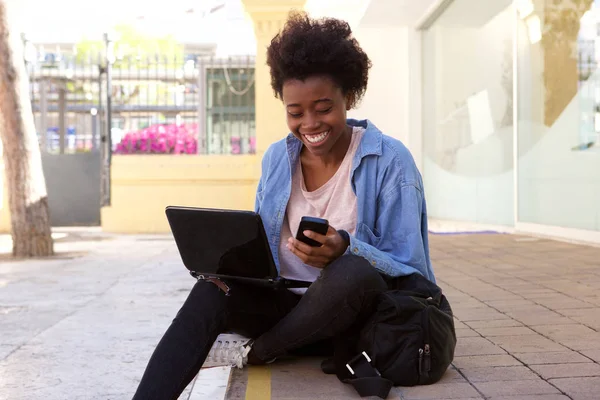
(333, 246)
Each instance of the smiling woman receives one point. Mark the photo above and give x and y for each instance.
(316, 114)
(364, 183)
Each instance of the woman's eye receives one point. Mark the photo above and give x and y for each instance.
(295, 115)
(324, 111)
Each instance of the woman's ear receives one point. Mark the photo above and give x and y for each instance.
(350, 98)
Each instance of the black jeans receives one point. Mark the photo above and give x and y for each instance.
(279, 320)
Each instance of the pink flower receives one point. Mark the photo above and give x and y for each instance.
(160, 139)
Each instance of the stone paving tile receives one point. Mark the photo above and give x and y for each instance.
(589, 317)
(538, 315)
(558, 304)
(577, 337)
(512, 388)
(550, 371)
(593, 354)
(491, 294)
(512, 304)
(526, 344)
(463, 333)
(568, 331)
(564, 357)
(479, 314)
(579, 388)
(462, 300)
(532, 397)
(438, 391)
(476, 346)
(460, 325)
(501, 360)
(508, 308)
(535, 291)
(470, 305)
(593, 300)
(589, 341)
(452, 375)
(505, 331)
(491, 374)
(502, 323)
(549, 294)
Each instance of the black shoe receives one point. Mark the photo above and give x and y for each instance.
(328, 366)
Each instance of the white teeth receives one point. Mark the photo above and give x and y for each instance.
(317, 138)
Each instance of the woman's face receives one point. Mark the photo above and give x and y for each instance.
(316, 112)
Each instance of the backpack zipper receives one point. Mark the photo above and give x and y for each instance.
(425, 352)
(420, 361)
(427, 358)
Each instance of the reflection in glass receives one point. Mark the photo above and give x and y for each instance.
(558, 115)
(468, 112)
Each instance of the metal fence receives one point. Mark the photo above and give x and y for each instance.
(193, 105)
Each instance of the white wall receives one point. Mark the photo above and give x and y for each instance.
(348, 10)
(386, 100)
(467, 124)
(386, 31)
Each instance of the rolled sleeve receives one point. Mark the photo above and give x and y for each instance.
(401, 249)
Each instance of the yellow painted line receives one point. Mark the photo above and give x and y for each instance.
(259, 383)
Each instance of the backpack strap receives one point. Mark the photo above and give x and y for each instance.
(366, 379)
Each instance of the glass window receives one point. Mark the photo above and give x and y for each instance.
(230, 110)
(468, 113)
(559, 113)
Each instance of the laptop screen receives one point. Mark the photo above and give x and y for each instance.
(222, 242)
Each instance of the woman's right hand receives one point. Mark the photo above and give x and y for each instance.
(333, 245)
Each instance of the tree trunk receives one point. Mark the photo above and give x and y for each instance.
(28, 199)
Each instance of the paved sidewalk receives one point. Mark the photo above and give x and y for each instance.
(82, 325)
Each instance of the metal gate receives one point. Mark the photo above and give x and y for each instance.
(69, 111)
(78, 99)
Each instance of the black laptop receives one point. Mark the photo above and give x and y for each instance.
(227, 244)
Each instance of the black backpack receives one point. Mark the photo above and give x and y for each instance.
(409, 340)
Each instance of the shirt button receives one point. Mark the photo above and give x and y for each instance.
(373, 263)
(355, 250)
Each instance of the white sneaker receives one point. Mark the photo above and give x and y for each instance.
(229, 349)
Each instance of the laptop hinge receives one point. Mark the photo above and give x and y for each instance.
(219, 283)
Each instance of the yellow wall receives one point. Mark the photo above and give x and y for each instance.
(142, 186)
(268, 17)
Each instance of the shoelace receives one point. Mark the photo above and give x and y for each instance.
(228, 350)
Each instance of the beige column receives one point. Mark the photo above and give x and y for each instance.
(561, 26)
(268, 17)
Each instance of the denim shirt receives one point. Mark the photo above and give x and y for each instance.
(391, 231)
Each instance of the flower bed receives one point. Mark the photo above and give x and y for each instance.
(160, 139)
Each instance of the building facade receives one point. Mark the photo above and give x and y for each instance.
(499, 101)
(511, 115)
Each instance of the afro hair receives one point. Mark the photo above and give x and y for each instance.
(308, 47)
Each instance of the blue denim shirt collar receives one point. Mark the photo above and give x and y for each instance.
(371, 143)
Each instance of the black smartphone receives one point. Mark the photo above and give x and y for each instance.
(318, 225)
